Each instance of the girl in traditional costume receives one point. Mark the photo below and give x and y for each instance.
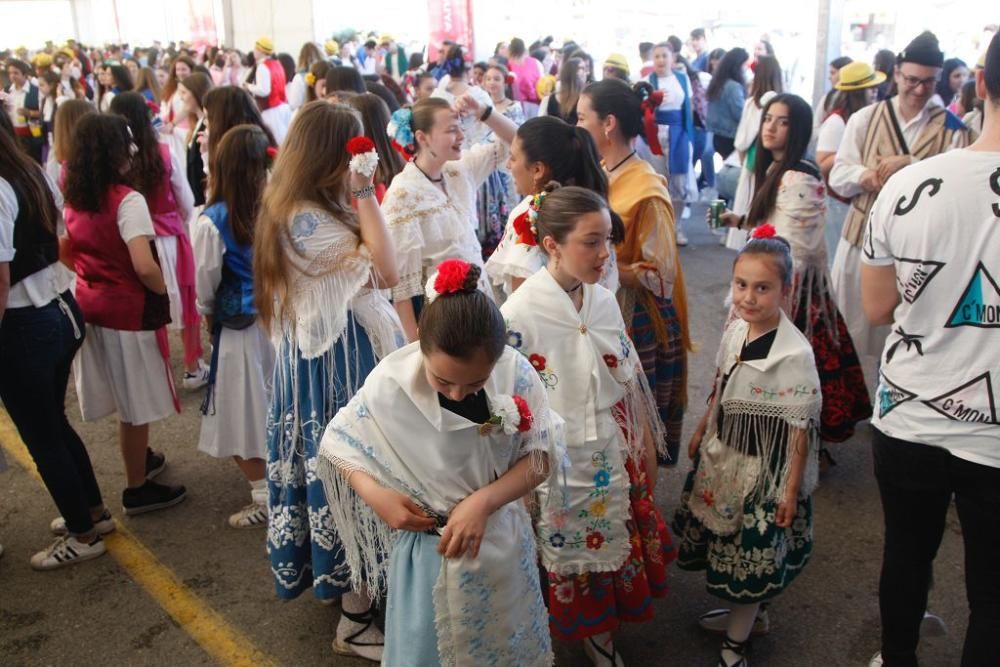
(791, 196)
(431, 205)
(235, 406)
(161, 177)
(318, 267)
(602, 541)
(652, 295)
(545, 149)
(746, 509)
(440, 444)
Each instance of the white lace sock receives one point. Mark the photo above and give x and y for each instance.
(357, 604)
(258, 492)
(741, 619)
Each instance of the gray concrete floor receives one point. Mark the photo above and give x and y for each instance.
(95, 613)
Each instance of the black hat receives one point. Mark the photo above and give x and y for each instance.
(923, 50)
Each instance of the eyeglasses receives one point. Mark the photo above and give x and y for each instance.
(913, 81)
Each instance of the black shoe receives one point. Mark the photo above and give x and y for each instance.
(151, 497)
(155, 463)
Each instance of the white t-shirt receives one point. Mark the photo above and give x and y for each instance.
(831, 133)
(41, 287)
(938, 223)
(673, 93)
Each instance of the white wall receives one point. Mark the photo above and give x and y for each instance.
(288, 22)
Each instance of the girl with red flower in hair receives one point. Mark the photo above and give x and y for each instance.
(603, 543)
(746, 508)
(428, 464)
(790, 195)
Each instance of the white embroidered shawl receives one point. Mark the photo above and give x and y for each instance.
(799, 216)
(330, 267)
(395, 430)
(766, 396)
(591, 370)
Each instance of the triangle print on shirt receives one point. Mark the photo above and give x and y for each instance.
(913, 276)
(971, 402)
(980, 303)
(890, 396)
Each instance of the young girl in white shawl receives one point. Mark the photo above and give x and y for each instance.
(602, 541)
(429, 462)
(318, 266)
(431, 205)
(746, 509)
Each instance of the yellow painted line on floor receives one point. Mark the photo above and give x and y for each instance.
(216, 637)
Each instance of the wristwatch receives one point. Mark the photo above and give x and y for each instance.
(364, 193)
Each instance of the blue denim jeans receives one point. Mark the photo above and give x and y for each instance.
(37, 346)
(704, 150)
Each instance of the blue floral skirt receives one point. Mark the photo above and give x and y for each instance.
(302, 542)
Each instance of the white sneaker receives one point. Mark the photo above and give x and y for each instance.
(682, 239)
(602, 652)
(358, 636)
(251, 516)
(876, 660)
(67, 550)
(197, 379)
(103, 526)
(717, 622)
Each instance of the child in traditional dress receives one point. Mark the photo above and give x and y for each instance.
(431, 205)
(319, 267)
(162, 179)
(441, 443)
(602, 540)
(123, 367)
(235, 406)
(545, 149)
(746, 509)
(790, 195)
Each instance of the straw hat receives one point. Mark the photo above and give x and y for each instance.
(43, 60)
(264, 45)
(859, 75)
(617, 61)
(386, 38)
(331, 47)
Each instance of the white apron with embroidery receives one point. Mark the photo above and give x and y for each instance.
(588, 365)
(786, 386)
(395, 430)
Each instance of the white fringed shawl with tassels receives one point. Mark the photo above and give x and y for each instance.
(776, 399)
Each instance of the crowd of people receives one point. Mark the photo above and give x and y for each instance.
(449, 331)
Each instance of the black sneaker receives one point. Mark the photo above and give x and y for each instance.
(155, 463)
(151, 497)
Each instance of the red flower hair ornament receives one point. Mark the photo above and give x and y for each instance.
(364, 157)
(452, 277)
(272, 154)
(766, 231)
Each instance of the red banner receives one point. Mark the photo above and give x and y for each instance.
(449, 19)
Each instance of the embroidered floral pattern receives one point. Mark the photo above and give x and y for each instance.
(595, 526)
(537, 361)
(514, 338)
(611, 360)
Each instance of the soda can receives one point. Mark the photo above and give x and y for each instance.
(717, 206)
